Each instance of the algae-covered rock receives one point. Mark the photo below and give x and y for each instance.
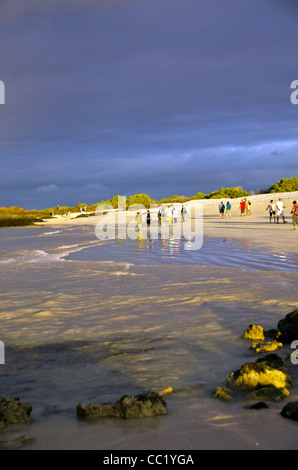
(254, 332)
(16, 443)
(274, 360)
(13, 411)
(290, 410)
(267, 377)
(222, 393)
(140, 406)
(267, 346)
(255, 375)
(269, 393)
(288, 327)
(163, 391)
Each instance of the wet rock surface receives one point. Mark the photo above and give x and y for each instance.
(290, 411)
(14, 411)
(139, 406)
(288, 327)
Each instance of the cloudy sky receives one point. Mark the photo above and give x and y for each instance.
(106, 97)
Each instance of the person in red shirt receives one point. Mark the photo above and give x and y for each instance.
(242, 208)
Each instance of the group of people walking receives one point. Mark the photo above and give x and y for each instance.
(169, 214)
(277, 212)
(225, 210)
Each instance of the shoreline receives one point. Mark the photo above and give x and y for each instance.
(255, 229)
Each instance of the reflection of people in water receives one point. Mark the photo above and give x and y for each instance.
(170, 217)
(175, 215)
(184, 213)
(163, 216)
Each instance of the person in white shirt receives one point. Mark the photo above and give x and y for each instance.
(272, 210)
(280, 210)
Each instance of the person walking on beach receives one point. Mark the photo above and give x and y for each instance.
(139, 220)
(159, 217)
(280, 210)
(228, 210)
(221, 208)
(242, 208)
(148, 218)
(294, 213)
(272, 210)
(247, 208)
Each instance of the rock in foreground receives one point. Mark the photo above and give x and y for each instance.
(254, 332)
(140, 406)
(290, 411)
(266, 379)
(288, 327)
(13, 411)
(265, 372)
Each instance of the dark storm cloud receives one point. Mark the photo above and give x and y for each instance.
(164, 97)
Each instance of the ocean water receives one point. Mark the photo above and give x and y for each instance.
(85, 320)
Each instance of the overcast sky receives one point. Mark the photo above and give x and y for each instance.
(106, 97)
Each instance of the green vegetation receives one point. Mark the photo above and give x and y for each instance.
(285, 185)
(16, 216)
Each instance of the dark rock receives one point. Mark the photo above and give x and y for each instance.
(140, 406)
(290, 411)
(257, 406)
(270, 392)
(13, 411)
(288, 327)
(273, 333)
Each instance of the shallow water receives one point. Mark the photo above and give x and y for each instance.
(85, 320)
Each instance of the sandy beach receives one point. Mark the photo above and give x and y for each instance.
(254, 229)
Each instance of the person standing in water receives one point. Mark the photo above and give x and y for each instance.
(139, 220)
(170, 217)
